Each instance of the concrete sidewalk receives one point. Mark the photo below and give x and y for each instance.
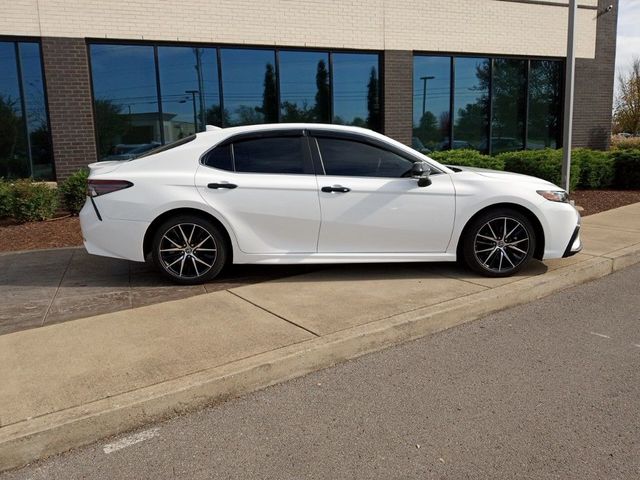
(70, 384)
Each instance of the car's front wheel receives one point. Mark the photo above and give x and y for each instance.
(498, 243)
(189, 249)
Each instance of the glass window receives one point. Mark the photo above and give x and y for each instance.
(125, 99)
(509, 104)
(304, 87)
(356, 90)
(471, 103)
(189, 89)
(354, 159)
(249, 86)
(14, 161)
(545, 107)
(431, 103)
(269, 155)
(220, 158)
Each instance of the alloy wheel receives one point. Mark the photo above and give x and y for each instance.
(187, 250)
(501, 244)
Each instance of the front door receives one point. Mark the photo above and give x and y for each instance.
(370, 204)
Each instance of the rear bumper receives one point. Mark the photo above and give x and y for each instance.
(108, 237)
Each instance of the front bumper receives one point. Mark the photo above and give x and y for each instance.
(575, 243)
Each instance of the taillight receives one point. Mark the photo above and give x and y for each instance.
(101, 187)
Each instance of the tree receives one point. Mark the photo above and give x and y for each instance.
(215, 116)
(373, 101)
(626, 115)
(322, 94)
(112, 125)
(12, 139)
(269, 96)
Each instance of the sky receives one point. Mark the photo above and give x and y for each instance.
(628, 42)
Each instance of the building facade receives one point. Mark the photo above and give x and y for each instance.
(99, 79)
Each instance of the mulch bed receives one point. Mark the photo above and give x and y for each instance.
(65, 232)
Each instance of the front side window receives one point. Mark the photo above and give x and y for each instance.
(355, 159)
(284, 155)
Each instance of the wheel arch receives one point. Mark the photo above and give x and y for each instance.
(153, 227)
(537, 226)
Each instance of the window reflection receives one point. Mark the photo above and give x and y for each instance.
(126, 100)
(431, 99)
(24, 132)
(545, 81)
(249, 86)
(304, 87)
(189, 89)
(356, 90)
(471, 103)
(509, 103)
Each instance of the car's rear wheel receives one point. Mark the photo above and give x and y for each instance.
(499, 243)
(189, 249)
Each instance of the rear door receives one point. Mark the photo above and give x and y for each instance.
(265, 187)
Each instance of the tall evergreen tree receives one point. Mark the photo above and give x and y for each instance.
(270, 96)
(323, 98)
(373, 101)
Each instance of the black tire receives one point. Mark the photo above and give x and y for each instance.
(486, 251)
(189, 249)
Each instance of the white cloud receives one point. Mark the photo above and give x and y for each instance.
(628, 40)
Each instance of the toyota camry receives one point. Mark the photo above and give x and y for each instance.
(309, 193)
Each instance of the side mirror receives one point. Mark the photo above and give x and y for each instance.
(421, 171)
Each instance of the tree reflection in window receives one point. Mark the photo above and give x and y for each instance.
(545, 104)
(471, 100)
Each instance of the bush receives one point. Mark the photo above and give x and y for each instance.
(626, 164)
(5, 198)
(622, 143)
(545, 164)
(32, 201)
(596, 168)
(467, 158)
(74, 191)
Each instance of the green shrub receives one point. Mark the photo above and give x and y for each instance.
(74, 191)
(5, 198)
(596, 168)
(33, 200)
(545, 164)
(467, 158)
(626, 164)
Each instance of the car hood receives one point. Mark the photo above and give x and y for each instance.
(506, 176)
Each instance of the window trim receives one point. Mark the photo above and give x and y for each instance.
(308, 166)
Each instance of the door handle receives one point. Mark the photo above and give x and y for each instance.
(222, 185)
(337, 188)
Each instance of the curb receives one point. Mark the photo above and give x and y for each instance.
(57, 432)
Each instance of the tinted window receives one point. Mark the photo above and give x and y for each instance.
(355, 159)
(249, 86)
(431, 98)
(471, 98)
(125, 99)
(269, 155)
(509, 103)
(356, 90)
(304, 87)
(545, 107)
(219, 157)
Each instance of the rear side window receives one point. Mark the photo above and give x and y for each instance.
(220, 158)
(269, 155)
(355, 159)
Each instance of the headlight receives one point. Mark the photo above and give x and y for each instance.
(555, 195)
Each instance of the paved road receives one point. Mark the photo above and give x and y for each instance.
(546, 390)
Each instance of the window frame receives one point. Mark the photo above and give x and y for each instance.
(358, 138)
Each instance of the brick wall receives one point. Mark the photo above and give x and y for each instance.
(70, 110)
(594, 82)
(398, 89)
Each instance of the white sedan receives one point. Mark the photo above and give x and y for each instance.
(309, 193)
